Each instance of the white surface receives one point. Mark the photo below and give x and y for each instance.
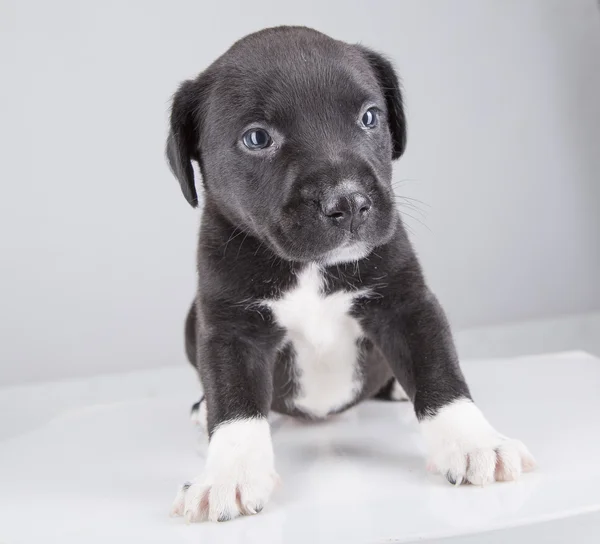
(551, 335)
(97, 243)
(99, 460)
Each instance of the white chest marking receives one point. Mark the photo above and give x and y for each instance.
(325, 339)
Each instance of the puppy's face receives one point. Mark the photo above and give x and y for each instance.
(294, 134)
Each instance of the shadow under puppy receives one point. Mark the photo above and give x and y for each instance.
(310, 297)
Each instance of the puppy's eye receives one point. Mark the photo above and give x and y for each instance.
(256, 138)
(370, 118)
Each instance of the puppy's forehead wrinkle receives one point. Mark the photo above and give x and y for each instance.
(281, 78)
(308, 102)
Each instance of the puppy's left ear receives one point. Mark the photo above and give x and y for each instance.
(183, 140)
(390, 87)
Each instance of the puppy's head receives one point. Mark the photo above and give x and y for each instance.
(294, 134)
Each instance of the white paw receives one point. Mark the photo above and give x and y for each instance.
(239, 476)
(199, 416)
(465, 448)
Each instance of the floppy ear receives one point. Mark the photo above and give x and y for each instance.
(390, 87)
(182, 141)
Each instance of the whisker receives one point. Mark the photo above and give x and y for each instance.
(413, 208)
(233, 236)
(417, 220)
(239, 248)
(408, 228)
(403, 181)
(415, 200)
(259, 246)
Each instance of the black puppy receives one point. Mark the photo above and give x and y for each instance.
(310, 296)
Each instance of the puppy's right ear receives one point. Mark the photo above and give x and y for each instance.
(390, 87)
(183, 140)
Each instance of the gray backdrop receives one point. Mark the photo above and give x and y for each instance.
(97, 244)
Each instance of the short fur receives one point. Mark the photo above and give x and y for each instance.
(266, 219)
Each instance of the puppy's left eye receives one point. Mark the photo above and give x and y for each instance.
(370, 118)
(256, 138)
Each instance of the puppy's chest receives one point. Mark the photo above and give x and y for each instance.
(325, 341)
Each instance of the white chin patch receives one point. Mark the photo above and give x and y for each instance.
(346, 254)
(238, 477)
(465, 448)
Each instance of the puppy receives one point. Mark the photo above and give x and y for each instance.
(310, 297)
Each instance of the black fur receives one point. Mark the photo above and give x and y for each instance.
(263, 220)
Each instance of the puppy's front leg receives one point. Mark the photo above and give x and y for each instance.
(239, 474)
(410, 327)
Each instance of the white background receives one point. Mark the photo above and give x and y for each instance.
(97, 244)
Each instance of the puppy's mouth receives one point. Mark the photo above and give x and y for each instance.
(327, 246)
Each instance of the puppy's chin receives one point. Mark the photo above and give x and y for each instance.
(296, 252)
(347, 251)
(331, 248)
(346, 254)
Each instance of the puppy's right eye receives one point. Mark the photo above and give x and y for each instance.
(256, 138)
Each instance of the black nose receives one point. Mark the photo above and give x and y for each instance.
(348, 211)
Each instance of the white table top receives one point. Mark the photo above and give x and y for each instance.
(99, 460)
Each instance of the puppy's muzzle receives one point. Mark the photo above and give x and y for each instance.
(347, 210)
